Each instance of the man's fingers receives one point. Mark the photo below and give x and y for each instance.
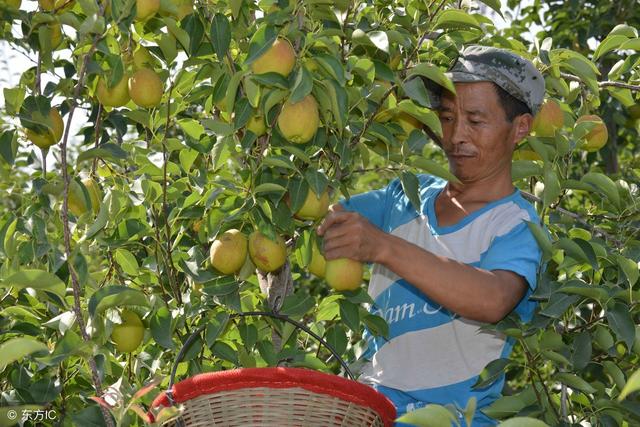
(331, 219)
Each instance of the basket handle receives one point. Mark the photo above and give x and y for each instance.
(286, 318)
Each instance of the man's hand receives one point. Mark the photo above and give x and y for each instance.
(350, 235)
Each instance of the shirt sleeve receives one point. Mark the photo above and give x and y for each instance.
(373, 205)
(515, 251)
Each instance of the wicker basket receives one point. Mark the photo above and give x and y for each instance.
(274, 397)
(277, 397)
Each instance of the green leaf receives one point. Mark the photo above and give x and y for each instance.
(15, 349)
(160, 325)
(582, 350)
(633, 385)
(317, 180)
(224, 351)
(417, 91)
(431, 415)
(552, 187)
(8, 146)
(191, 127)
(13, 98)
(377, 325)
(434, 74)
(432, 168)
(232, 89)
(621, 322)
(559, 305)
(36, 279)
(215, 327)
(336, 337)
(302, 85)
(608, 44)
(604, 185)
(380, 40)
(269, 187)
(633, 44)
(492, 372)
(108, 151)
(350, 315)
(101, 219)
(454, 18)
(572, 249)
(297, 305)
(524, 169)
(181, 35)
(260, 42)
(542, 238)
(495, 5)
(574, 381)
(127, 261)
(424, 115)
(629, 268)
(411, 188)
(115, 296)
(523, 422)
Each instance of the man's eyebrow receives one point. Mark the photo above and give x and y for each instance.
(445, 108)
(476, 113)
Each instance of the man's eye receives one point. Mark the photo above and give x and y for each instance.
(446, 118)
(475, 122)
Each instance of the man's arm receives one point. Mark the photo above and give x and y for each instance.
(471, 292)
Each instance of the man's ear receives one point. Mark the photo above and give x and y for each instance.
(522, 125)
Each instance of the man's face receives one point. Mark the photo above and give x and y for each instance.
(477, 137)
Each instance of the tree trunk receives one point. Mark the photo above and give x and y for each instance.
(276, 286)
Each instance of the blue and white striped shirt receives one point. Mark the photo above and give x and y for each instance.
(433, 355)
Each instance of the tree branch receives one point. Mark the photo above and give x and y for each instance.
(576, 217)
(97, 383)
(605, 83)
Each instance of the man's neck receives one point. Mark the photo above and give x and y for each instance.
(485, 191)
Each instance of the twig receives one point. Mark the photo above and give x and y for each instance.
(605, 83)
(165, 206)
(575, 216)
(94, 166)
(65, 222)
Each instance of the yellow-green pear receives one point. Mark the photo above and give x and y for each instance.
(257, 125)
(145, 88)
(51, 136)
(317, 265)
(299, 122)
(145, 9)
(549, 119)
(597, 136)
(95, 193)
(228, 252)
(279, 58)
(117, 96)
(142, 58)
(343, 274)
(128, 335)
(266, 254)
(314, 207)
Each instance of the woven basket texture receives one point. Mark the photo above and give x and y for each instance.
(274, 407)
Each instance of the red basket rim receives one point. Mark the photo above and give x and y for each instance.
(280, 377)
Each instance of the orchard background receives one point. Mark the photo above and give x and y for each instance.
(115, 221)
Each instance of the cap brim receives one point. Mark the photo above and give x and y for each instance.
(462, 77)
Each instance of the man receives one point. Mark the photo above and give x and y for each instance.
(467, 259)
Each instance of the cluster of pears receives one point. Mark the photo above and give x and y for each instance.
(229, 251)
(298, 122)
(128, 335)
(144, 87)
(550, 119)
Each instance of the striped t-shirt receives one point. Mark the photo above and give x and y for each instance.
(433, 355)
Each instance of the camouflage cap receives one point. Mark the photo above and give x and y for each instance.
(516, 75)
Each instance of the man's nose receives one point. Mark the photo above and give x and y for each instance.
(458, 132)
